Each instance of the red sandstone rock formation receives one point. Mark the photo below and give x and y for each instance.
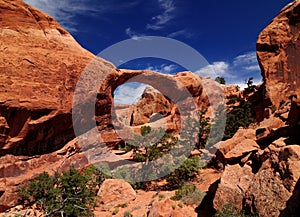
(40, 65)
(278, 54)
(152, 102)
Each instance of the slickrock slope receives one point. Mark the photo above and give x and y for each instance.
(279, 53)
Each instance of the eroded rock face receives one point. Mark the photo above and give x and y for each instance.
(279, 53)
(273, 165)
(40, 65)
(274, 184)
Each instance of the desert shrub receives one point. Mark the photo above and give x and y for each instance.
(123, 205)
(129, 174)
(282, 102)
(127, 214)
(230, 211)
(180, 204)
(189, 195)
(196, 130)
(273, 108)
(220, 80)
(186, 172)
(250, 86)
(238, 116)
(69, 194)
(151, 145)
(115, 211)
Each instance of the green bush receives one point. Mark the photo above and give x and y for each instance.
(115, 211)
(238, 116)
(189, 195)
(282, 103)
(250, 86)
(127, 214)
(151, 145)
(220, 80)
(186, 172)
(69, 194)
(230, 211)
(196, 130)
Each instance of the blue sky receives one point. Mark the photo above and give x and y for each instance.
(224, 32)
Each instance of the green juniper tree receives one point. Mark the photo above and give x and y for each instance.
(71, 193)
(220, 80)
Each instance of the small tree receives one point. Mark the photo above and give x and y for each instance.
(250, 86)
(186, 172)
(196, 130)
(239, 116)
(69, 194)
(220, 80)
(151, 145)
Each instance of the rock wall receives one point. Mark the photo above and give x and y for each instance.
(278, 51)
(40, 65)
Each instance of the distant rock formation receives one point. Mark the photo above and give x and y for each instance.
(152, 102)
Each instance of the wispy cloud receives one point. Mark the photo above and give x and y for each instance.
(129, 93)
(183, 33)
(252, 68)
(132, 34)
(247, 61)
(159, 21)
(165, 69)
(65, 11)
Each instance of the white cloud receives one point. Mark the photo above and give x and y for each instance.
(183, 32)
(132, 34)
(129, 93)
(252, 68)
(236, 71)
(165, 69)
(247, 61)
(215, 69)
(159, 21)
(246, 58)
(64, 11)
(168, 68)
